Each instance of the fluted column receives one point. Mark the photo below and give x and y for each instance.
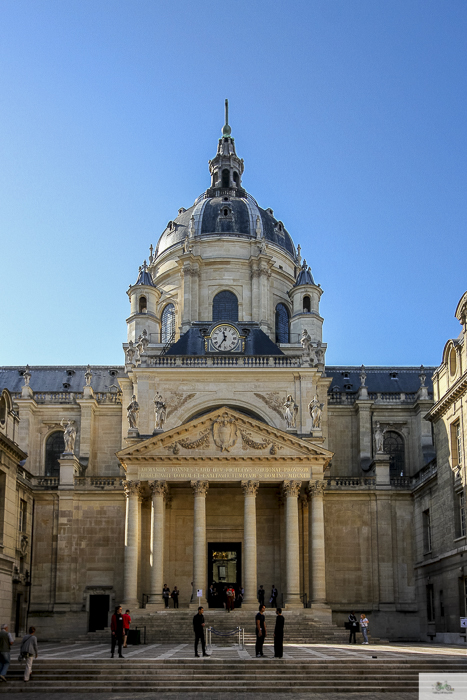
(316, 542)
(159, 492)
(291, 490)
(250, 489)
(200, 489)
(130, 566)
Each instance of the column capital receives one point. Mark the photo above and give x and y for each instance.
(158, 488)
(250, 488)
(200, 488)
(132, 488)
(316, 488)
(291, 488)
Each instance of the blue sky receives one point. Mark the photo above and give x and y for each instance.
(350, 116)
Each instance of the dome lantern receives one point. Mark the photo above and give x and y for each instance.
(226, 167)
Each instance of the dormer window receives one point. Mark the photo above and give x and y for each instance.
(393, 375)
(70, 372)
(113, 372)
(345, 375)
(348, 387)
(182, 210)
(66, 385)
(270, 212)
(171, 226)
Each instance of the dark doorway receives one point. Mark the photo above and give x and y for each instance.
(224, 570)
(98, 612)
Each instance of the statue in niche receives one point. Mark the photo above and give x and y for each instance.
(160, 412)
(88, 375)
(379, 438)
(132, 413)
(69, 435)
(305, 341)
(290, 411)
(316, 411)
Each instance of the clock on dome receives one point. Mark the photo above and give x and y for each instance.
(224, 337)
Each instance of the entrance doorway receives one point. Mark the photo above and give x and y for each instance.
(98, 612)
(224, 570)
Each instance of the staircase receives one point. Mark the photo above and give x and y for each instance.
(127, 677)
(176, 626)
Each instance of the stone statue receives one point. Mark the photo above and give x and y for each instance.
(316, 411)
(299, 257)
(258, 227)
(262, 246)
(379, 438)
(305, 341)
(192, 226)
(88, 375)
(160, 412)
(69, 435)
(130, 353)
(186, 245)
(26, 376)
(132, 413)
(362, 376)
(290, 411)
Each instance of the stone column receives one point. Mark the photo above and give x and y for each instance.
(130, 566)
(250, 489)
(200, 489)
(316, 542)
(291, 491)
(159, 492)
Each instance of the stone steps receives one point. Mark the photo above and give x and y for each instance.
(265, 675)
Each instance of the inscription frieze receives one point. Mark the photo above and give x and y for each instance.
(224, 473)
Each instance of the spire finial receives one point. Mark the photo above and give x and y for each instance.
(226, 130)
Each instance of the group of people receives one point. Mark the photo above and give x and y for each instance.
(166, 594)
(272, 598)
(27, 652)
(353, 625)
(260, 629)
(225, 595)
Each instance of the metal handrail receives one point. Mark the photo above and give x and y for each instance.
(238, 630)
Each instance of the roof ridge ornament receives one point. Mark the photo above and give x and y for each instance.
(226, 130)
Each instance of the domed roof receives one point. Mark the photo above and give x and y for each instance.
(228, 215)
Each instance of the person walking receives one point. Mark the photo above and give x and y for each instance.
(279, 635)
(29, 652)
(273, 599)
(174, 595)
(166, 595)
(117, 629)
(198, 627)
(5, 645)
(260, 631)
(261, 593)
(353, 627)
(126, 627)
(364, 627)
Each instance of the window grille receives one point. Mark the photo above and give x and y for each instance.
(225, 307)
(168, 324)
(395, 448)
(54, 447)
(282, 324)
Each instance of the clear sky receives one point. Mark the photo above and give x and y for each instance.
(351, 118)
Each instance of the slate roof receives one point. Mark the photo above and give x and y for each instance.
(379, 379)
(192, 342)
(209, 219)
(304, 277)
(52, 378)
(144, 277)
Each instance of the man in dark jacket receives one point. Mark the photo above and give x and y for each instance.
(198, 626)
(5, 645)
(117, 628)
(260, 630)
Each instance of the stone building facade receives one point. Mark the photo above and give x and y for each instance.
(225, 450)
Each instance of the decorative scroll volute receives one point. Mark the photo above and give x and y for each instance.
(291, 488)
(158, 488)
(316, 488)
(250, 488)
(200, 488)
(132, 488)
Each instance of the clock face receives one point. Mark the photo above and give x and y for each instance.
(225, 338)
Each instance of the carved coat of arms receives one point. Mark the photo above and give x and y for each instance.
(225, 432)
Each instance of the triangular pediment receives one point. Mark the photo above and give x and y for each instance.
(224, 434)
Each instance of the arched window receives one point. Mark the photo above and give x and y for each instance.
(282, 324)
(225, 307)
(225, 178)
(54, 447)
(395, 448)
(143, 306)
(2, 410)
(168, 324)
(306, 304)
(236, 178)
